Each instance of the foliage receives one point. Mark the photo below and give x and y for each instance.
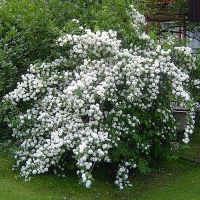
(107, 98)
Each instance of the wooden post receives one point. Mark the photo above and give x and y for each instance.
(179, 32)
(184, 28)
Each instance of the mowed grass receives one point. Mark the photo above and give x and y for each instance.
(173, 180)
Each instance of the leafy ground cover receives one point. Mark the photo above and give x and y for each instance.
(175, 180)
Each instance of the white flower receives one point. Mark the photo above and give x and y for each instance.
(88, 184)
(186, 140)
(84, 179)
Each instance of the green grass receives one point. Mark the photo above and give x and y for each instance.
(174, 180)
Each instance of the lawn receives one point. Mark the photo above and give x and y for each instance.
(173, 180)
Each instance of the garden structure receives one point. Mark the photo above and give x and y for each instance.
(164, 11)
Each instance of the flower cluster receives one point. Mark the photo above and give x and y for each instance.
(138, 22)
(114, 106)
(122, 174)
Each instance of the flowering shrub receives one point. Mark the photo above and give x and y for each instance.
(102, 102)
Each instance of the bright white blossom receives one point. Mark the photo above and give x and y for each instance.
(91, 109)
